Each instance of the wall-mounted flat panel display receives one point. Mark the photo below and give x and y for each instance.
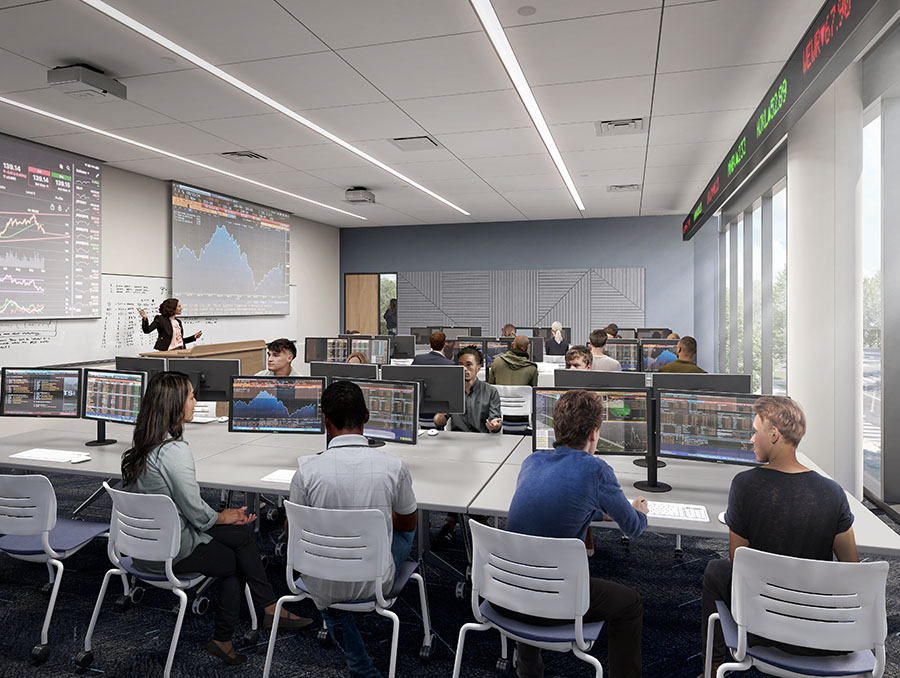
(276, 404)
(229, 256)
(49, 232)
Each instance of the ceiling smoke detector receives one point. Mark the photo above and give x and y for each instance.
(85, 83)
(358, 194)
(625, 126)
(623, 188)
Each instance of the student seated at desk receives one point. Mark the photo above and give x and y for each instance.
(358, 358)
(686, 351)
(558, 493)
(556, 345)
(513, 368)
(601, 361)
(351, 475)
(482, 413)
(218, 544)
(435, 355)
(781, 507)
(280, 356)
(579, 358)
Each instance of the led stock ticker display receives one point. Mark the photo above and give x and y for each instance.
(833, 25)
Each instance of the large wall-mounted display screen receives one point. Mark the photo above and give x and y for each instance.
(229, 257)
(49, 232)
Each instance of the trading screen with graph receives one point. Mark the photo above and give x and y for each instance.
(276, 404)
(229, 257)
(49, 232)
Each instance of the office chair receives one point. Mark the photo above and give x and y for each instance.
(34, 533)
(347, 546)
(515, 406)
(147, 527)
(818, 604)
(537, 576)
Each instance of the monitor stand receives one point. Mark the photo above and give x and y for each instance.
(101, 436)
(652, 484)
(375, 442)
(643, 463)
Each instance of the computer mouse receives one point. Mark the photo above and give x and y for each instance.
(223, 419)
(432, 431)
(722, 518)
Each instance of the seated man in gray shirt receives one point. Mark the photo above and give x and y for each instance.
(482, 413)
(602, 361)
(351, 475)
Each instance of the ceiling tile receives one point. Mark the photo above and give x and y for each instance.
(696, 127)
(224, 31)
(21, 123)
(526, 182)
(513, 165)
(390, 154)
(179, 138)
(493, 143)
(261, 131)
(715, 89)
(594, 180)
(582, 136)
(96, 146)
(613, 158)
(350, 23)
(191, 95)
(680, 174)
(601, 204)
(108, 114)
(500, 109)
(712, 152)
(596, 100)
(546, 204)
(437, 170)
(595, 48)
(364, 175)
(164, 168)
(454, 64)
(553, 10)
(308, 81)
(365, 122)
(248, 169)
(17, 73)
(322, 156)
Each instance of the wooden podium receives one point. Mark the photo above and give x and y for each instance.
(252, 355)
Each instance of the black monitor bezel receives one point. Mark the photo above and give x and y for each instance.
(394, 343)
(306, 341)
(78, 396)
(423, 394)
(657, 342)
(664, 332)
(703, 376)
(625, 342)
(232, 429)
(417, 396)
(600, 374)
(657, 397)
(351, 366)
(650, 418)
(149, 372)
(84, 393)
(189, 371)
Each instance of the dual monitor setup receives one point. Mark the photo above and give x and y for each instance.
(379, 349)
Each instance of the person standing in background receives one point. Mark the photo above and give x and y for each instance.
(170, 332)
(390, 317)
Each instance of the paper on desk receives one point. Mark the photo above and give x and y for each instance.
(44, 454)
(282, 475)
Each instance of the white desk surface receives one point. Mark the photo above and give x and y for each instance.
(692, 483)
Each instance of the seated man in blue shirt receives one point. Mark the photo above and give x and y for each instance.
(558, 494)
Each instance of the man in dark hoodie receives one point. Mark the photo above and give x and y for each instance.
(513, 368)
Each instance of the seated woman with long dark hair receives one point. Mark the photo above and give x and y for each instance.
(219, 544)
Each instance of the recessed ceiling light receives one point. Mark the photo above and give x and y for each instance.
(526, 10)
(174, 47)
(488, 17)
(168, 154)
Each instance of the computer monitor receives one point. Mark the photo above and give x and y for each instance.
(657, 352)
(35, 392)
(276, 404)
(625, 428)
(495, 347)
(334, 371)
(474, 331)
(443, 386)
(626, 351)
(326, 349)
(628, 333)
(456, 332)
(380, 350)
(706, 426)
(547, 333)
(149, 365)
(211, 379)
(452, 348)
(597, 379)
(689, 381)
(111, 396)
(403, 347)
(525, 331)
(651, 332)
(536, 349)
(422, 334)
(393, 410)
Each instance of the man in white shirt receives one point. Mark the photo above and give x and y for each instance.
(280, 356)
(598, 351)
(351, 475)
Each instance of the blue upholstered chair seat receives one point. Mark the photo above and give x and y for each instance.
(407, 567)
(128, 565)
(66, 536)
(564, 633)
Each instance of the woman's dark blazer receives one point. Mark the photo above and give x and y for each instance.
(163, 325)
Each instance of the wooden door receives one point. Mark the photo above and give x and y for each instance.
(361, 302)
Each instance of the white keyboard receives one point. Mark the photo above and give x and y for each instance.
(663, 509)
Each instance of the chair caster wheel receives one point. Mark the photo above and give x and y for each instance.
(200, 605)
(679, 553)
(626, 542)
(251, 637)
(502, 666)
(40, 653)
(136, 595)
(47, 588)
(460, 589)
(84, 659)
(281, 549)
(426, 652)
(322, 637)
(123, 603)
(273, 514)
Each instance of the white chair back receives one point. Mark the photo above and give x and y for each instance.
(515, 401)
(556, 359)
(538, 576)
(338, 544)
(143, 526)
(27, 505)
(811, 603)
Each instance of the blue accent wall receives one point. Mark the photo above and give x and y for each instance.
(653, 243)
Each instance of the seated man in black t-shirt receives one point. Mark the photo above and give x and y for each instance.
(780, 507)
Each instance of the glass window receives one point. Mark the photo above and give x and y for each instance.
(779, 291)
(726, 290)
(387, 290)
(756, 368)
(738, 341)
(872, 306)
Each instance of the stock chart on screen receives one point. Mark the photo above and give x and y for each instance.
(285, 404)
(49, 232)
(229, 257)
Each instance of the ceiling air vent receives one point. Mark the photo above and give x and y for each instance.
(623, 188)
(407, 144)
(626, 126)
(244, 157)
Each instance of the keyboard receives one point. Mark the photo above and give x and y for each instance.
(663, 509)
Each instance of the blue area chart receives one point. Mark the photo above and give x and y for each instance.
(267, 406)
(222, 269)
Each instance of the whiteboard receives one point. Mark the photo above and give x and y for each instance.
(27, 343)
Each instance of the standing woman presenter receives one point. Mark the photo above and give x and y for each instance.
(167, 324)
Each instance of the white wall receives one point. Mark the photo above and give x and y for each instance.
(824, 278)
(316, 271)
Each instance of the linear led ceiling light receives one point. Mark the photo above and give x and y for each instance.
(163, 41)
(488, 17)
(174, 156)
